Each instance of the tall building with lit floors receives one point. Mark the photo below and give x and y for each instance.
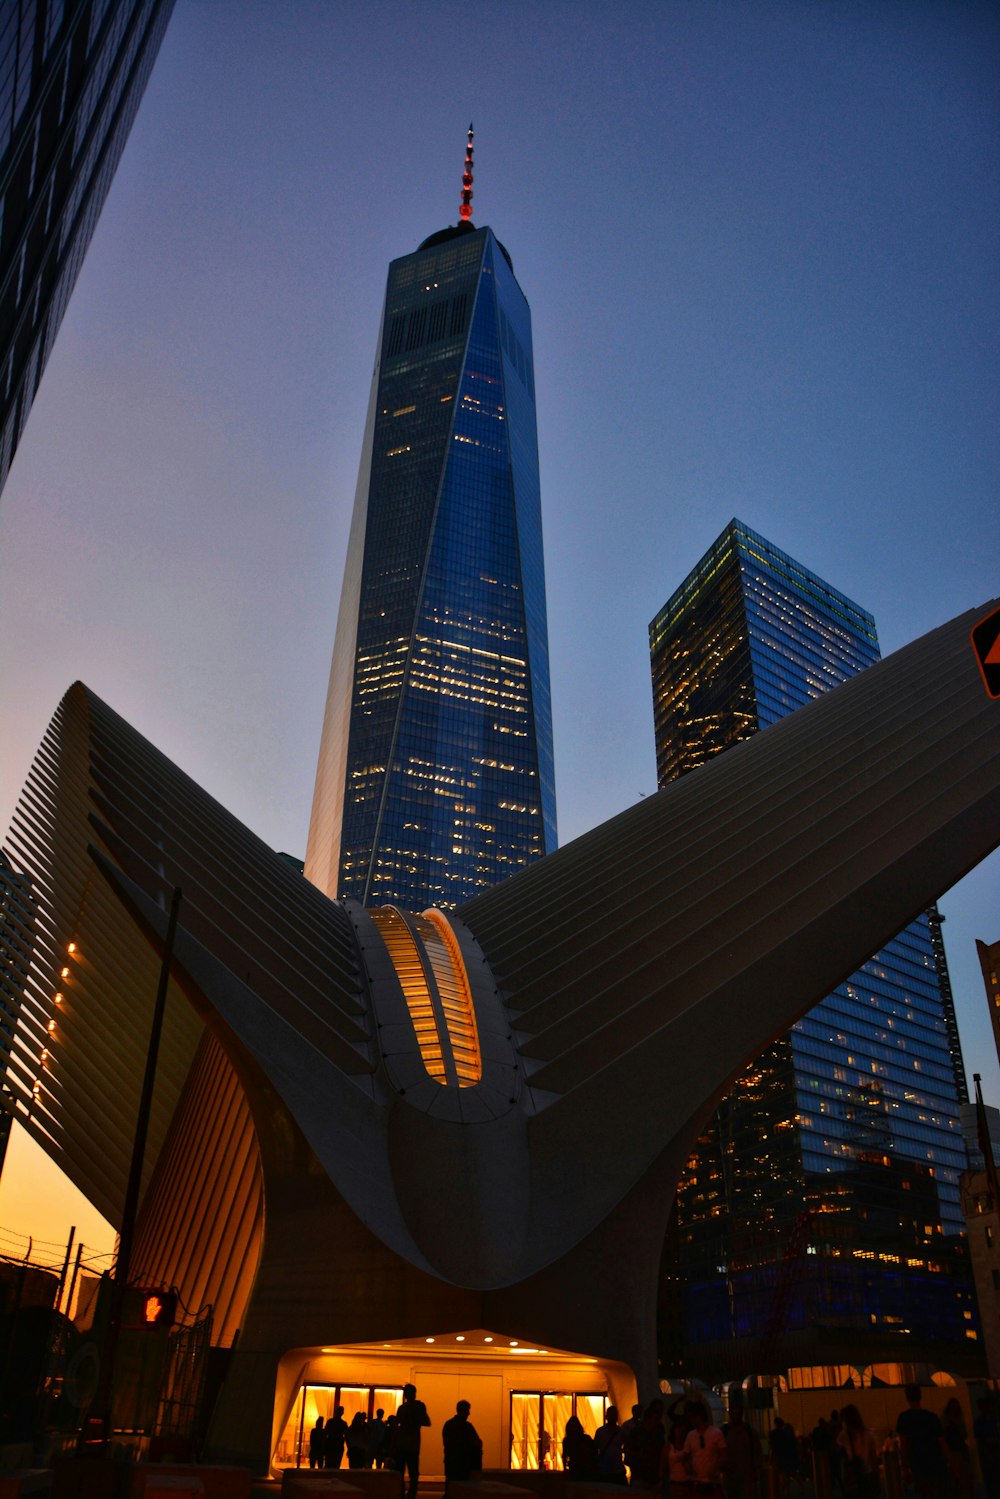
(435, 777)
(818, 1221)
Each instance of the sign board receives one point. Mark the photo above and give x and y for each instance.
(985, 637)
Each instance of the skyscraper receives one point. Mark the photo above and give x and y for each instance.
(435, 776)
(821, 1209)
(72, 73)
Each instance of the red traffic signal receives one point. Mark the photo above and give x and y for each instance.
(152, 1307)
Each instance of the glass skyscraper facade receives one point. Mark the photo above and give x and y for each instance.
(435, 777)
(818, 1221)
(72, 74)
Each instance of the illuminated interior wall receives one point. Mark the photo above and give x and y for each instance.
(513, 1398)
(202, 1219)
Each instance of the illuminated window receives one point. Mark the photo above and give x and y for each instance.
(429, 966)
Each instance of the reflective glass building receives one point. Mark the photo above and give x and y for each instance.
(819, 1219)
(72, 73)
(435, 776)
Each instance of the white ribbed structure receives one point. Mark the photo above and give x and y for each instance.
(302, 1146)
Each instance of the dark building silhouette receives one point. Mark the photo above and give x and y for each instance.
(17, 921)
(819, 1218)
(72, 73)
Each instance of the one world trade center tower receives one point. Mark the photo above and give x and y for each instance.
(435, 777)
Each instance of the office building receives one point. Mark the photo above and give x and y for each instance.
(449, 1145)
(819, 1221)
(435, 776)
(72, 74)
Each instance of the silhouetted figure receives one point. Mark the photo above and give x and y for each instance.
(629, 1426)
(463, 1450)
(859, 1456)
(335, 1439)
(785, 1455)
(579, 1453)
(921, 1442)
(608, 1441)
(357, 1441)
(643, 1444)
(378, 1435)
(316, 1439)
(411, 1417)
(956, 1448)
(744, 1457)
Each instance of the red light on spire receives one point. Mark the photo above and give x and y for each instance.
(465, 211)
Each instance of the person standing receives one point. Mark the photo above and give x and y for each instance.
(411, 1418)
(921, 1442)
(643, 1446)
(316, 1445)
(377, 1435)
(357, 1441)
(957, 1454)
(705, 1449)
(859, 1456)
(335, 1439)
(608, 1441)
(744, 1457)
(579, 1453)
(463, 1450)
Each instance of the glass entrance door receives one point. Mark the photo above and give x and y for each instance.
(315, 1400)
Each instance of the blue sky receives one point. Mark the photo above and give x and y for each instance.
(759, 242)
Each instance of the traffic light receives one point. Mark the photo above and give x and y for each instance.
(150, 1306)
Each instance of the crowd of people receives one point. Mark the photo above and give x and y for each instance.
(394, 1441)
(681, 1453)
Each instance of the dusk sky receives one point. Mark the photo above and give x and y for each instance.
(759, 241)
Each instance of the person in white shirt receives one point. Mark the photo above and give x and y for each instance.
(705, 1450)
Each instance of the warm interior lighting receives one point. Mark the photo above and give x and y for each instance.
(64, 973)
(428, 1340)
(431, 973)
(459, 1337)
(58, 998)
(487, 1340)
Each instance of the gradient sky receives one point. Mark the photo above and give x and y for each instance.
(760, 246)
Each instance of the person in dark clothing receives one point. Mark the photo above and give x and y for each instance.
(922, 1442)
(579, 1452)
(335, 1439)
(357, 1441)
(316, 1445)
(411, 1417)
(378, 1434)
(643, 1446)
(463, 1450)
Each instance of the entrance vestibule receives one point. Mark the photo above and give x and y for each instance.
(521, 1396)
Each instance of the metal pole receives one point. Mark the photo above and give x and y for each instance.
(75, 1277)
(65, 1268)
(97, 1431)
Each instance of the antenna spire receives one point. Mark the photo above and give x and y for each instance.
(465, 211)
